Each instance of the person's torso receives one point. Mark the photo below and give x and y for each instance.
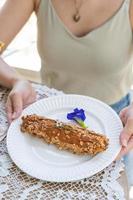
(97, 64)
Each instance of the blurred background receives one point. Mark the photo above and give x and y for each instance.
(22, 52)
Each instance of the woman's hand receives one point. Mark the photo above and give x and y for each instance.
(126, 137)
(21, 95)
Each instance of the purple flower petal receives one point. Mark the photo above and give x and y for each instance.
(78, 113)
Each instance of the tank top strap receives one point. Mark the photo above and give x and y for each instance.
(42, 10)
(128, 2)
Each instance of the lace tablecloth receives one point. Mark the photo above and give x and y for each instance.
(16, 185)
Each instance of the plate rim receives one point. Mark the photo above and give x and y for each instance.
(22, 167)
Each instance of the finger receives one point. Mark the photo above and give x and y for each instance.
(126, 132)
(119, 156)
(125, 150)
(9, 109)
(34, 95)
(17, 105)
(31, 99)
(122, 115)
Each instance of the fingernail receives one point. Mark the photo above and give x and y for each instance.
(124, 143)
(14, 115)
(9, 120)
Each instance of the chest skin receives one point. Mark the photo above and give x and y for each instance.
(93, 13)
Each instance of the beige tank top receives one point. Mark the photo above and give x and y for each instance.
(98, 64)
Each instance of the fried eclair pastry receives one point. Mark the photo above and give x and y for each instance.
(65, 136)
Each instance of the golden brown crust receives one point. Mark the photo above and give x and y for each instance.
(65, 136)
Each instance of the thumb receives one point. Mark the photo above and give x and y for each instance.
(17, 105)
(126, 132)
(9, 109)
(122, 115)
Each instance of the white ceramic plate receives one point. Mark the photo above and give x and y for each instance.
(46, 162)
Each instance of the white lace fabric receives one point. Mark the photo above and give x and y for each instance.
(17, 185)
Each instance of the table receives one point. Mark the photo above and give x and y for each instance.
(16, 185)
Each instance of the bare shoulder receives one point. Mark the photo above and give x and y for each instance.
(131, 13)
(36, 3)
